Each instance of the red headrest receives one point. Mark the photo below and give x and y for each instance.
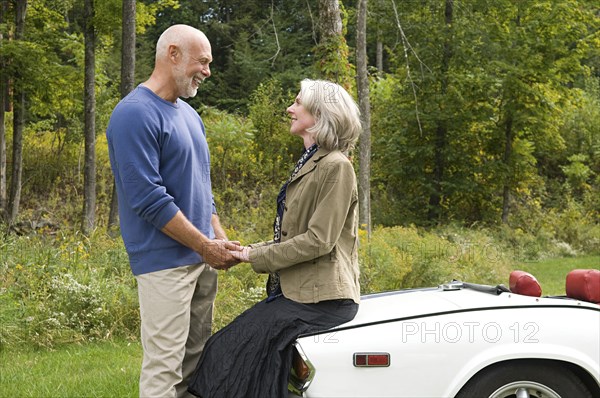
(584, 284)
(521, 282)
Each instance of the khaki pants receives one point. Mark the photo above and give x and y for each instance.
(176, 309)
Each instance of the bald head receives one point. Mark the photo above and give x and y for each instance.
(180, 36)
(183, 55)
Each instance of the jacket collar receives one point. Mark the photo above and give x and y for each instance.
(312, 163)
(320, 154)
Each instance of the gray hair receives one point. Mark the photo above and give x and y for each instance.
(337, 117)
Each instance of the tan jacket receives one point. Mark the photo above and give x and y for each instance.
(317, 258)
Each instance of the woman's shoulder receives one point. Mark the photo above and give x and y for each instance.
(337, 163)
(337, 160)
(335, 156)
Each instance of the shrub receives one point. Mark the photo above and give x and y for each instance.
(406, 257)
(59, 288)
(538, 233)
(66, 288)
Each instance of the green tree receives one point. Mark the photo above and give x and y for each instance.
(18, 101)
(128, 40)
(89, 103)
(535, 54)
(332, 52)
(362, 83)
(3, 109)
(274, 147)
(252, 42)
(579, 163)
(468, 114)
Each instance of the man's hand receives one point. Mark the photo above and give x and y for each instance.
(213, 252)
(216, 254)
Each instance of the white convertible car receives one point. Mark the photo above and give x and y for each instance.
(460, 340)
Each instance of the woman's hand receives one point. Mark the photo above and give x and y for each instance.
(242, 253)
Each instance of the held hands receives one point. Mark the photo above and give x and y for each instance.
(217, 253)
(239, 252)
(224, 254)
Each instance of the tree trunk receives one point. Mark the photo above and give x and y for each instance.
(379, 60)
(330, 20)
(127, 84)
(508, 136)
(128, 48)
(441, 132)
(18, 123)
(89, 173)
(364, 178)
(3, 102)
(332, 50)
(508, 143)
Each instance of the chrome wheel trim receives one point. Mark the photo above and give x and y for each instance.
(525, 389)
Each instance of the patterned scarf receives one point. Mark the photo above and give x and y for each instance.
(273, 283)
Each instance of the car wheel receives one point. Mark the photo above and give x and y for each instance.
(531, 379)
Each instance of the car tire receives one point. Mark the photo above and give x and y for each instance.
(530, 378)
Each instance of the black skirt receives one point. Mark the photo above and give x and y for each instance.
(251, 357)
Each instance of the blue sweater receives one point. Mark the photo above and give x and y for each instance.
(160, 160)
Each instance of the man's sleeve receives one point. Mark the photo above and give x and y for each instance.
(134, 141)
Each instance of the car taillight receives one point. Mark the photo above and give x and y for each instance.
(301, 369)
(371, 359)
(302, 372)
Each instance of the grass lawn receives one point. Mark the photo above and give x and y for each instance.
(552, 273)
(111, 369)
(106, 369)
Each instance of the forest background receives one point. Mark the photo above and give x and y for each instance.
(482, 148)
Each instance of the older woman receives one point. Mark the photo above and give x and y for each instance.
(312, 261)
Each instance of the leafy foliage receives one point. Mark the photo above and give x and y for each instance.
(501, 98)
(399, 257)
(250, 158)
(505, 98)
(62, 288)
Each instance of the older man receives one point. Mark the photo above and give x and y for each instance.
(169, 224)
